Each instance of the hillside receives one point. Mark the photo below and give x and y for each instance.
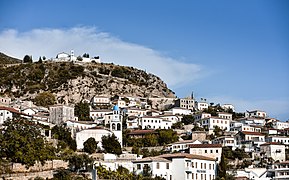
(4, 59)
(73, 82)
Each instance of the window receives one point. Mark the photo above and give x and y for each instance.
(201, 165)
(206, 151)
(210, 166)
(196, 165)
(193, 176)
(205, 167)
(211, 151)
(168, 166)
(138, 166)
(217, 151)
(158, 165)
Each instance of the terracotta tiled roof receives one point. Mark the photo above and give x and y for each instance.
(283, 162)
(153, 117)
(270, 143)
(183, 142)
(152, 159)
(252, 133)
(9, 109)
(205, 145)
(186, 155)
(278, 136)
(144, 131)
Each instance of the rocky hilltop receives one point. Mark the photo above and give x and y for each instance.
(71, 82)
(4, 59)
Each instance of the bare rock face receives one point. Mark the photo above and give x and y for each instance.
(71, 83)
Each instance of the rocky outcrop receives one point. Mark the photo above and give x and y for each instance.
(72, 82)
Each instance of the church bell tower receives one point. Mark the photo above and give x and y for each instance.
(116, 124)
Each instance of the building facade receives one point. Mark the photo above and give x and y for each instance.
(60, 114)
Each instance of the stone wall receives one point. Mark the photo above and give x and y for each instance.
(27, 176)
(49, 165)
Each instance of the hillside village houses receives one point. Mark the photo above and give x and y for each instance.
(194, 157)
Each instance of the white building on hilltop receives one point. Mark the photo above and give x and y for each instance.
(65, 57)
(256, 113)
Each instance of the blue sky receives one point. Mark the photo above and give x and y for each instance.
(226, 51)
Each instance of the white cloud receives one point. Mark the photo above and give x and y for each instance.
(49, 42)
(277, 108)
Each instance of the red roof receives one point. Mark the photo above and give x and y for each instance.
(9, 109)
(205, 145)
(186, 155)
(283, 162)
(252, 133)
(140, 132)
(270, 143)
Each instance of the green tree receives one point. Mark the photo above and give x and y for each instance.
(62, 174)
(222, 167)
(111, 144)
(80, 162)
(240, 154)
(218, 131)
(188, 119)
(27, 59)
(150, 140)
(63, 134)
(228, 153)
(79, 58)
(90, 145)
(147, 172)
(40, 60)
(22, 142)
(44, 99)
(81, 110)
(177, 125)
(167, 136)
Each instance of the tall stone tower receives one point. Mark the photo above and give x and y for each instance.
(116, 124)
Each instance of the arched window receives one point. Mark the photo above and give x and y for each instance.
(113, 126)
(118, 126)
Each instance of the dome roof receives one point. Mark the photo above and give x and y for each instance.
(115, 108)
